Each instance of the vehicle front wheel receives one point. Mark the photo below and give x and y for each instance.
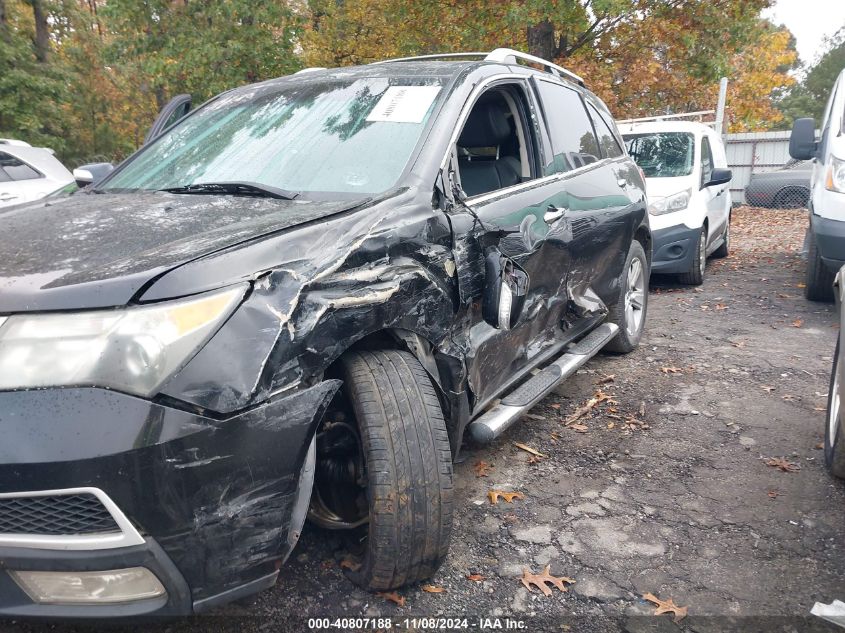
(695, 275)
(629, 311)
(387, 470)
(819, 284)
(834, 442)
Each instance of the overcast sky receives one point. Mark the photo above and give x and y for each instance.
(810, 22)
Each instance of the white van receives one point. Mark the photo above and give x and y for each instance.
(826, 233)
(687, 183)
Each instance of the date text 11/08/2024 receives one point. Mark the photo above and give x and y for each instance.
(481, 623)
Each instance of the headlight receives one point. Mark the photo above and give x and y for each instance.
(669, 204)
(835, 178)
(133, 350)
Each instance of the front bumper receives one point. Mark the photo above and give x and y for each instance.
(212, 500)
(830, 240)
(674, 249)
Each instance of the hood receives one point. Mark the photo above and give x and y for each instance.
(100, 250)
(662, 187)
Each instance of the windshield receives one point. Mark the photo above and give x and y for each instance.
(352, 136)
(662, 154)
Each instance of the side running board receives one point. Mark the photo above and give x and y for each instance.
(494, 422)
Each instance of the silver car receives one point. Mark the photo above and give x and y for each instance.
(784, 188)
(29, 173)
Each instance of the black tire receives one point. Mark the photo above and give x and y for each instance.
(795, 198)
(725, 247)
(834, 448)
(627, 340)
(695, 275)
(409, 468)
(819, 283)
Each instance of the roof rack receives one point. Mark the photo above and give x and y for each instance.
(500, 55)
(668, 117)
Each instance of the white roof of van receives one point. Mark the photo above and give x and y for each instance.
(664, 126)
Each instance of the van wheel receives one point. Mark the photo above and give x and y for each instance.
(725, 247)
(834, 440)
(695, 275)
(819, 284)
(629, 311)
(403, 470)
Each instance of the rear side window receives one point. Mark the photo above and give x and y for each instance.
(574, 143)
(607, 139)
(14, 169)
(706, 161)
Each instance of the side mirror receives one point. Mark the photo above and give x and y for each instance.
(85, 175)
(719, 176)
(505, 288)
(802, 141)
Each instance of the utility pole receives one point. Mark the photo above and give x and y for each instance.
(720, 108)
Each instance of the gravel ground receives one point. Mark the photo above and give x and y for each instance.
(661, 488)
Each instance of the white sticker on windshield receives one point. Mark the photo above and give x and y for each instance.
(404, 104)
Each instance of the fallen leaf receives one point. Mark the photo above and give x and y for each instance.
(393, 597)
(494, 495)
(819, 409)
(819, 446)
(671, 370)
(721, 306)
(533, 459)
(797, 323)
(528, 449)
(773, 494)
(475, 577)
(351, 565)
(783, 464)
(739, 344)
(432, 589)
(581, 428)
(588, 406)
(767, 388)
(789, 398)
(606, 379)
(540, 580)
(666, 606)
(800, 285)
(481, 468)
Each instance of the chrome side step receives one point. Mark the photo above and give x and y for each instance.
(494, 422)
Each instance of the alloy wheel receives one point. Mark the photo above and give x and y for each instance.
(635, 297)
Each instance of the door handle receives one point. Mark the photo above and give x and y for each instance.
(7, 196)
(554, 213)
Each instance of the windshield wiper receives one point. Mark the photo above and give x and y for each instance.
(235, 188)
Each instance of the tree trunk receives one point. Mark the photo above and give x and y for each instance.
(541, 40)
(42, 31)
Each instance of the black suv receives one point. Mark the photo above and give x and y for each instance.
(293, 302)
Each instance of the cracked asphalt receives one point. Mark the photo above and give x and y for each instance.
(663, 488)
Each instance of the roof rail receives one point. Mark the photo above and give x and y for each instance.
(665, 117)
(313, 69)
(500, 55)
(510, 56)
(434, 57)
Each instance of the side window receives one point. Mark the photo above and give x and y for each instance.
(706, 161)
(607, 139)
(574, 143)
(496, 147)
(15, 169)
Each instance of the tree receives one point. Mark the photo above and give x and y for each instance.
(641, 56)
(31, 89)
(808, 98)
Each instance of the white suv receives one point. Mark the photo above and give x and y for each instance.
(687, 182)
(826, 234)
(29, 173)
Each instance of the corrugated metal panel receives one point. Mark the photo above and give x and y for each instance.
(753, 152)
